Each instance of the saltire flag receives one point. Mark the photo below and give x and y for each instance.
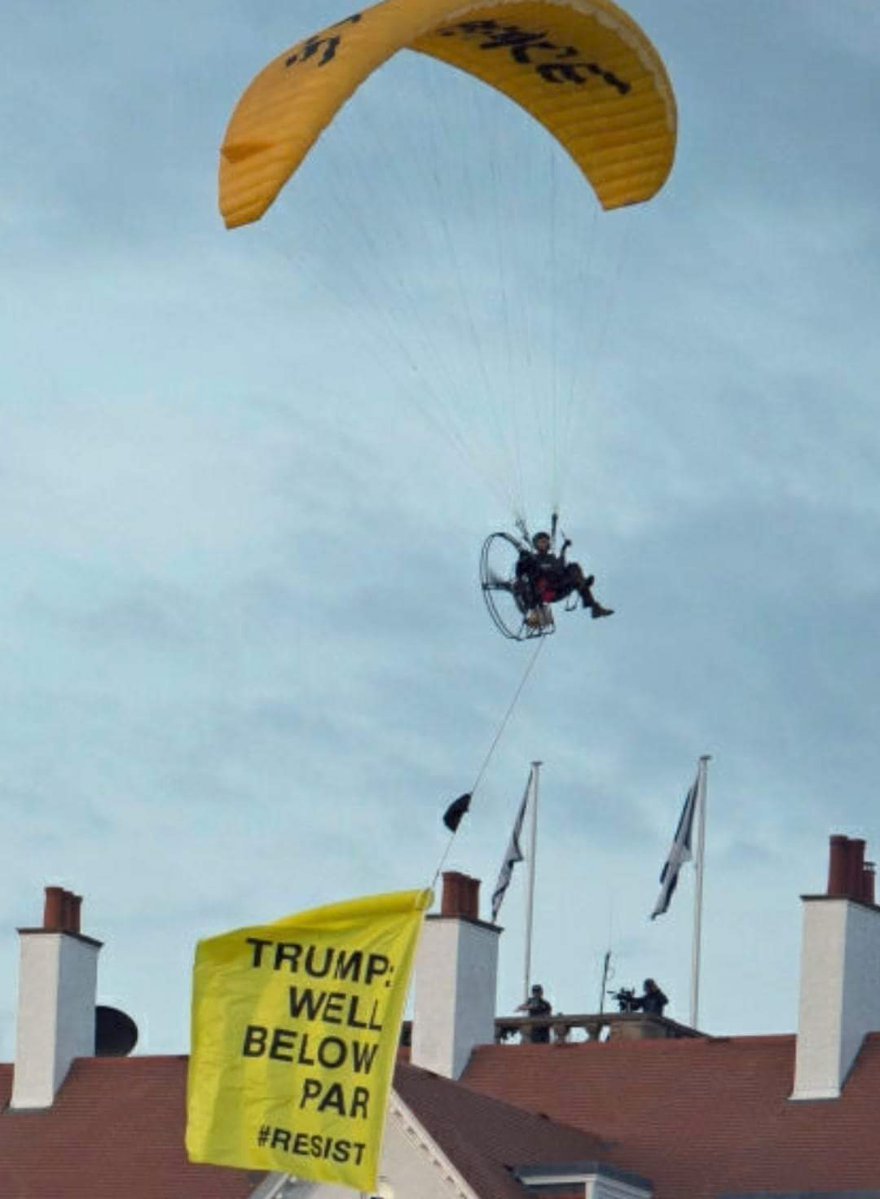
(453, 814)
(295, 1030)
(680, 852)
(512, 855)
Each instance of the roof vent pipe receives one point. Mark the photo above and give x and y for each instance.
(75, 911)
(838, 865)
(53, 910)
(868, 882)
(61, 911)
(856, 869)
(849, 876)
(461, 896)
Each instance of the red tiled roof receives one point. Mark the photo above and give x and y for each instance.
(484, 1138)
(116, 1129)
(702, 1117)
(117, 1126)
(699, 1118)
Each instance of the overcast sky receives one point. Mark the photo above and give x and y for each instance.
(246, 663)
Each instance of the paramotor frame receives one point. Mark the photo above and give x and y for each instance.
(514, 610)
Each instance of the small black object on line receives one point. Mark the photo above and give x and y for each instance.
(456, 810)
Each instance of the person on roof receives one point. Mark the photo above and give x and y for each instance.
(536, 1005)
(550, 578)
(653, 1001)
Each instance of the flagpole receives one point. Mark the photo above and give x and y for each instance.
(606, 967)
(530, 890)
(698, 890)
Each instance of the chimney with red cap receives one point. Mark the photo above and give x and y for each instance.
(840, 973)
(455, 981)
(56, 1001)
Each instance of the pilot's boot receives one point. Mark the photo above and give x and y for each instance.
(590, 601)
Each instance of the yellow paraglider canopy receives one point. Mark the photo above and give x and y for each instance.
(583, 68)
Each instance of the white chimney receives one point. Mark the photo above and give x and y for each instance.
(455, 981)
(840, 973)
(56, 1001)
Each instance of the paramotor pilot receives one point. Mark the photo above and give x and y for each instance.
(548, 577)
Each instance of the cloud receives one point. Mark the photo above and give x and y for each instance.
(245, 478)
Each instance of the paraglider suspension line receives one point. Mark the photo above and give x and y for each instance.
(499, 733)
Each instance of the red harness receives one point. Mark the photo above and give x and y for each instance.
(545, 591)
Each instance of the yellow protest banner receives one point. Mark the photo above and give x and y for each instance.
(295, 1027)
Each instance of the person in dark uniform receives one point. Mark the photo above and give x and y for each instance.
(653, 1001)
(537, 1005)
